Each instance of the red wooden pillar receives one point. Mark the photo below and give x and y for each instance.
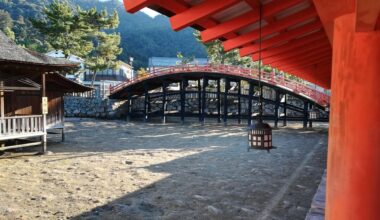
(353, 177)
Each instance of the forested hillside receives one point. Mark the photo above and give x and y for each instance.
(142, 36)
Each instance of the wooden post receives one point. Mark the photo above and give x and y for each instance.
(305, 114)
(277, 106)
(205, 84)
(2, 108)
(310, 120)
(183, 99)
(164, 90)
(219, 101)
(44, 138)
(225, 106)
(285, 110)
(239, 102)
(199, 101)
(129, 108)
(146, 100)
(250, 97)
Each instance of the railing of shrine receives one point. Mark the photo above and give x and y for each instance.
(267, 77)
(20, 126)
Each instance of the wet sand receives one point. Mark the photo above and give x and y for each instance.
(114, 170)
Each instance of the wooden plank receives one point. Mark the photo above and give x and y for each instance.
(20, 146)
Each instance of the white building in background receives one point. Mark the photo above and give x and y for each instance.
(103, 80)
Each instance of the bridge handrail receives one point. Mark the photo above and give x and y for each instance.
(268, 77)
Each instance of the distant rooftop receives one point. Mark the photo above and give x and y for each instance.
(12, 53)
(172, 61)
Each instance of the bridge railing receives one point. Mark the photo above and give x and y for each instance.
(268, 77)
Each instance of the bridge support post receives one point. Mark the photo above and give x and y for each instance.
(310, 120)
(250, 98)
(199, 100)
(225, 106)
(129, 108)
(305, 114)
(183, 99)
(219, 101)
(285, 122)
(146, 100)
(239, 101)
(353, 167)
(164, 101)
(276, 108)
(205, 84)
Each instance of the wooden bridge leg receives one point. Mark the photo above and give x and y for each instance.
(277, 106)
(250, 98)
(63, 134)
(310, 120)
(205, 84)
(225, 106)
(219, 101)
(285, 123)
(146, 99)
(44, 137)
(163, 110)
(199, 100)
(183, 99)
(239, 102)
(305, 114)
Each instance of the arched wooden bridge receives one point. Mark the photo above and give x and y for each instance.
(282, 88)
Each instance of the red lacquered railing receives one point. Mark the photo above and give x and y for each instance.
(271, 78)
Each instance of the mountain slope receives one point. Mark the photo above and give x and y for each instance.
(142, 36)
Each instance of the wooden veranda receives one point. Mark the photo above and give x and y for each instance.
(31, 95)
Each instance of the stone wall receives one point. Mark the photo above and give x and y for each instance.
(94, 108)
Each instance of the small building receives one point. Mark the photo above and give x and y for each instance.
(31, 95)
(105, 79)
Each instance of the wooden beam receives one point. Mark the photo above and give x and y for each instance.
(303, 61)
(329, 10)
(367, 13)
(270, 29)
(199, 12)
(300, 52)
(246, 19)
(133, 6)
(281, 38)
(253, 3)
(292, 45)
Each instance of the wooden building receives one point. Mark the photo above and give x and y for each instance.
(31, 95)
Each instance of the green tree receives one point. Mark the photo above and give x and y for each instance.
(217, 55)
(184, 60)
(64, 29)
(104, 55)
(82, 33)
(106, 45)
(5, 20)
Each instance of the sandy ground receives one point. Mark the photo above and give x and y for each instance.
(114, 170)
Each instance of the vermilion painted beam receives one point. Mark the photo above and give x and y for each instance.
(300, 52)
(306, 66)
(246, 19)
(253, 3)
(303, 61)
(199, 12)
(367, 13)
(292, 45)
(270, 29)
(133, 6)
(179, 7)
(319, 75)
(281, 38)
(329, 10)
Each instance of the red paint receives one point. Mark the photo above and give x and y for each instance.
(353, 176)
